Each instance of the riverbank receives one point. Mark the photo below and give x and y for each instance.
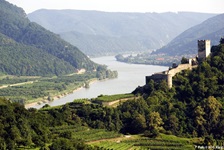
(130, 76)
(57, 96)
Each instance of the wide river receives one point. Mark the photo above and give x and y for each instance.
(130, 76)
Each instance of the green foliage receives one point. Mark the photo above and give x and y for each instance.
(110, 98)
(65, 144)
(103, 73)
(27, 89)
(184, 60)
(81, 101)
(193, 106)
(155, 121)
(20, 59)
(150, 59)
(32, 128)
(20, 128)
(138, 143)
(26, 48)
(153, 133)
(94, 134)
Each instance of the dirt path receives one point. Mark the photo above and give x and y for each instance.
(116, 102)
(17, 84)
(117, 139)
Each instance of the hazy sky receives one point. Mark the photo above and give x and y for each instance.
(210, 6)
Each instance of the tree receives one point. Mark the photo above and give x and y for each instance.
(138, 123)
(66, 134)
(184, 60)
(119, 57)
(2, 144)
(62, 144)
(212, 111)
(200, 120)
(15, 134)
(155, 121)
(209, 141)
(199, 116)
(173, 124)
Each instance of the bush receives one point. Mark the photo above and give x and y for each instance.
(151, 133)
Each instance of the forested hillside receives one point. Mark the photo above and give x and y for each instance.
(29, 49)
(21, 59)
(102, 33)
(185, 44)
(193, 107)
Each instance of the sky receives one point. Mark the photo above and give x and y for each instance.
(206, 6)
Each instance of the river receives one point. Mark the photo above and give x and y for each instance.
(130, 76)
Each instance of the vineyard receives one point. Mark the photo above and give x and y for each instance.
(85, 134)
(115, 141)
(110, 98)
(164, 142)
(81, 101)
(24, 89)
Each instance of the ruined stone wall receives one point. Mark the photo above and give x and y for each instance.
(179, 68)
(168, 75)
(176, 70)
(156, 77)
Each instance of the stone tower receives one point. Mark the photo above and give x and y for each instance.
(204, 49)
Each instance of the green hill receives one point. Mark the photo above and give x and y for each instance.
(20, 59)
(194, 105)
(211, 29)
(102, 33)
(192, 110)
(29, 49)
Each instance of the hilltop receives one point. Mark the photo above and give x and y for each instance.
(102, 33)
(26, 48)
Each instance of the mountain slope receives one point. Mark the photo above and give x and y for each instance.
(54, 55)
(211, 29)
(100, 33)
(96, 45)
(20, 59)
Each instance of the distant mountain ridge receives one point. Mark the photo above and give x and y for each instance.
(26, 48)
(186, 43)
(101, 33)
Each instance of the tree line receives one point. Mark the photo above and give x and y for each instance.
(193, 107)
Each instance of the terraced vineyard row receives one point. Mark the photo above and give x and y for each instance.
(145, 143)
(94, 134)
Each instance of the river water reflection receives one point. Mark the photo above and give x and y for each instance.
(130, 76)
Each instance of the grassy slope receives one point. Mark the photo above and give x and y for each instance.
(139, 142)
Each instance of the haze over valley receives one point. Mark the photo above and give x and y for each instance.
(55, 96)
(108, 33)
(185, 43)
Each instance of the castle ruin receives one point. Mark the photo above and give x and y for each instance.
(204, 50)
